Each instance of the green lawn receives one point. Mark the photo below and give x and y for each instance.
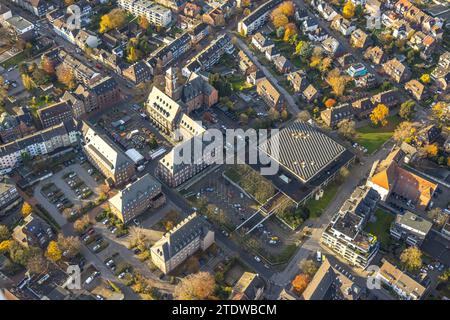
(239, 84)
(380, 228)
(20, 57)
(316, 207)
(373, 137)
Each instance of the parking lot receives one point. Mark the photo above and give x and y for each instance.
(130, 129)
(229, 208)
(67, 191)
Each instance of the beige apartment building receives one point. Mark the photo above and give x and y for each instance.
(177, 245)
(135, 198)
(114, 164)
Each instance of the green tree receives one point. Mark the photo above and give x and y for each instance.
(5, 234)
(309, 267)
(407, 110)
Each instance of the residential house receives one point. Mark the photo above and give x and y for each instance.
(342, 25)
(272, 53)
(422, 43)
(82, 72)
(155, 14)
(367, 81)
(255, 77)
(36, 7)
(375, 54)
(199, 32)
(262, 42)
(175, 5)
(282, 64)
(257, 18)
(209, 56)
(17, 126)
(326, 11)
(389, 98)
(192, 10)
(9, 195)
(104, 94)
(34, 232)
(246, 65)
(250, 286)
(346, 60)
(54, 114)
(310, 24)
(270, 94)
(332, 46)
(428, 134)
(310, 93)
(345, 236)
(181, 242)
(136, 198)
(329, 283)
(138, 72)
(298, 80)
(360, 39)
(166, 55)
(410, 227)
(332, 116)
(398, 71)
(404, 286)
(40, 143)
(441, 74)
(416, 89)
(357, 70)
(215, 18)
(363, 107)
(19, 28)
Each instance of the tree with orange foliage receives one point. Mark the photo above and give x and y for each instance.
(245, 3)
(330, 102)
(379, 115)
(287, 8)
(143, 22)
(431, 150)
(300, 283)
(66, 76)
(279, 20)
(349, 10)
(289, 31)
(26, 209)
(47, 65)
(337, 81)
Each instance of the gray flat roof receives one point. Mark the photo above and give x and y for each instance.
(302, 150)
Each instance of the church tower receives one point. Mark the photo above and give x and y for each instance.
(173, 89)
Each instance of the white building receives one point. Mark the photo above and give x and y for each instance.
(39, 143)
(257, 18)
(155, 13)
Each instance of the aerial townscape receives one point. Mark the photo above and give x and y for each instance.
(112, 182)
